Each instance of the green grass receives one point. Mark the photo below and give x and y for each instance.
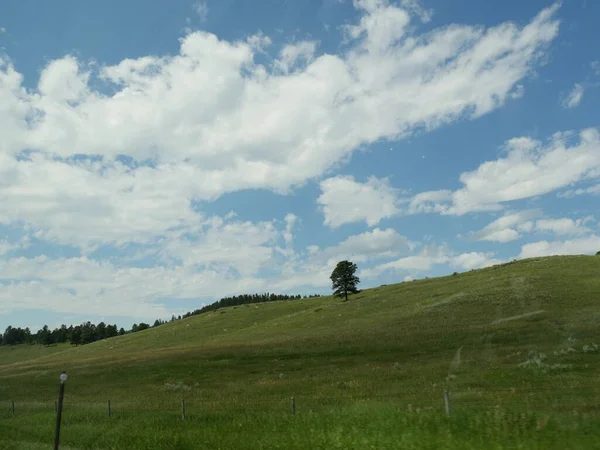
(367, 373)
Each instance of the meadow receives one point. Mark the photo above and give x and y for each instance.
(514, 345)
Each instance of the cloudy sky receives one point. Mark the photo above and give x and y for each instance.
(155, 156)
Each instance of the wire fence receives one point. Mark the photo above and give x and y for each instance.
(443, 402)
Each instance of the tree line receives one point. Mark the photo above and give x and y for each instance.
(246, 299)
(87, 332)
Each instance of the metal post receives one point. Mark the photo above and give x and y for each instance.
(447, 402)
(61, 396)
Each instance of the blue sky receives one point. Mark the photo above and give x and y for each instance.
(155, 156)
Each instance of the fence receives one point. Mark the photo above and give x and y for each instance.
(182, 408)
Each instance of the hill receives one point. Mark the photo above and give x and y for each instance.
(515, 345)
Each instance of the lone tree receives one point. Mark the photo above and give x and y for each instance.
(343, 280)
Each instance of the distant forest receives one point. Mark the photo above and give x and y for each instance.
(88, 332)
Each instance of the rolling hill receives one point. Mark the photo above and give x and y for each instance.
(515, 345)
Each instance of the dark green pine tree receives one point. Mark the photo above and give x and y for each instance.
(344, 280)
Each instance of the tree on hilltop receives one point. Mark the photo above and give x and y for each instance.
(344, 280)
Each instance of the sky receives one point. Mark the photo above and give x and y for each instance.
(157, 156)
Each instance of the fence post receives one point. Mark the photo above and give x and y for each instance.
(447, 402)
(183, 409)
(293, 406)
(13, 408)
(61, 397)
(109, 411)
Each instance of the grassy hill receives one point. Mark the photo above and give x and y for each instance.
(515, 345)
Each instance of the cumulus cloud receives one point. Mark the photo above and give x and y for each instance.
(83, 286)
(243, 247)
(6, 247)
(574, 98)
(511, 226)
(587, 245)
(370, 245)
(529, 169)
(507, 228)
(474, 260)
(290, 221)
(227, 123)
(591, 190)
(417, 8)
(431, 256)
(296, 56)
(431, 201)
(563, 226)
(344, 200)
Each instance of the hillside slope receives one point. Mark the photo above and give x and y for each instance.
(519, 336)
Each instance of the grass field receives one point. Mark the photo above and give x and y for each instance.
(515, 346)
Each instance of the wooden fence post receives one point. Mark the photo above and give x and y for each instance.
(447, 402)
(293, 406)
(109, 410)
(13, 408)
(183, 409)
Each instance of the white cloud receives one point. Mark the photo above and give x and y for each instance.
(596, 67)
(529, 169)
(592, 190)
(511, 226)
(6, 247)
(218, 245)
(201, 9)
(575, 96)
(290, 221)
(431, 201)
(259, 42)
(344, 200)
(474, 260)
(2, 30)
(415, 7)
(227, 123)
(83, 286)
(586, 245)
(519, 92)
(432, 256)
(296, 56)
(562, 226)
(507, 228)
(87, 205)
(369, 245)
